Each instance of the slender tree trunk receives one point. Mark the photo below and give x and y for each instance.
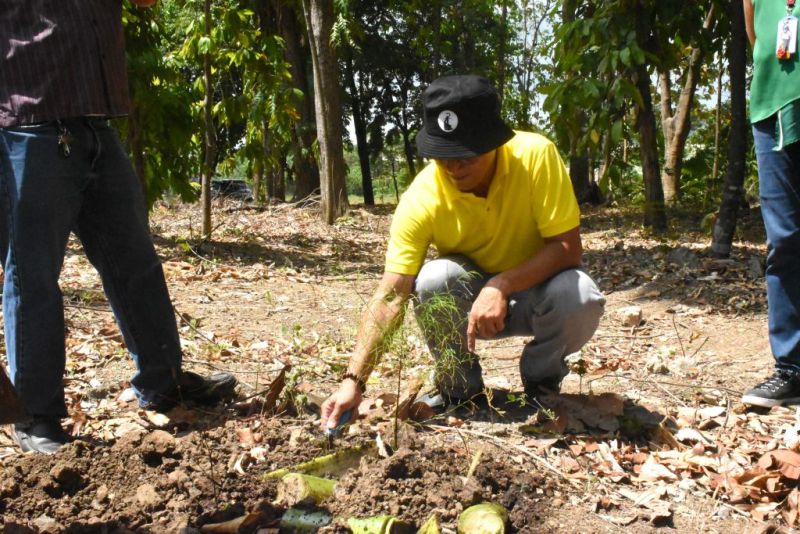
(625, 150)
(601, 184)
(676, 126)
(210, 132)
(319, 20)
(408, 147)
(436, 45)
(360, 125)
(259, 170)
(717, 119)
(501, 53)
(276, 185)
(665, 93)
(737, 142)
(283, 17)
(579, 175)
(654, 214)
(257, 176)
(578, 161)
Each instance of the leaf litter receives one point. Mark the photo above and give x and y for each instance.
(275, 299)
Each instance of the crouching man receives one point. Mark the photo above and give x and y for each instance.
(498, 206)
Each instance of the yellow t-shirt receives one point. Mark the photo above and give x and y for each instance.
(530, 198)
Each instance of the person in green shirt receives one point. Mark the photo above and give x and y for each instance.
(498, 207)
(775, 114)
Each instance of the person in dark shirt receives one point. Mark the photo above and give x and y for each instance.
(63, 169)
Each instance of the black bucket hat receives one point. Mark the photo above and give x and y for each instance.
(461, 118)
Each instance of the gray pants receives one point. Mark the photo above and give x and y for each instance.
(562, 314)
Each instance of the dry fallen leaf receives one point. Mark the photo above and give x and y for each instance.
(419, 411)
(651, 500)
(690, 435)
(232, 526)
(246, 438)
(786, 461)
(651, 471)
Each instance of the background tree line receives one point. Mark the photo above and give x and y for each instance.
(645, 98)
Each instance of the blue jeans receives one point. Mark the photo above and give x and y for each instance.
(779, 187)
(95, 193)
(562, 314)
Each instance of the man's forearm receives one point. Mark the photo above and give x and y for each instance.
(378, 321)
(551, 260)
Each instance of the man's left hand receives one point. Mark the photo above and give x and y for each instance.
(487, 317)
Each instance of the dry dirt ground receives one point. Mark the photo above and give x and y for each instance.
(647, 436)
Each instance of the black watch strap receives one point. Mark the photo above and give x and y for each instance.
(359, 381)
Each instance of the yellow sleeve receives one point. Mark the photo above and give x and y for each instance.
(409, 237)
(555, 206)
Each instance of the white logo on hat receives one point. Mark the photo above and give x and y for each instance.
(448, 121)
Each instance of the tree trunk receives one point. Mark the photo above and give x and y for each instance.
(297, 55)
(501, 53)
(409, 150)
(257, 176)
(737, 142)
(578, 161)
(209, 144)
(676, 126)
(654, 214)
(408, 147)
(260, 164)
(579, 175)
(319, 20)
(717, 119)
(276, 186)
(359, 123)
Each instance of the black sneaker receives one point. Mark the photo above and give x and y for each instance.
(781, 389)
(195, 389)
(43, 434)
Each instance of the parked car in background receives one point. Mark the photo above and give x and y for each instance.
(233, 189)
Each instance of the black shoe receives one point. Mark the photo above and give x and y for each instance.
(781, 389)
(195, 389)
(538, 390)
(43, 434)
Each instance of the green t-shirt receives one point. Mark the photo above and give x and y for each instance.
(775, 89)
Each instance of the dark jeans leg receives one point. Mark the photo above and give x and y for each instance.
(95, 192)
(112, 225)
(779, 187)
(42, 197)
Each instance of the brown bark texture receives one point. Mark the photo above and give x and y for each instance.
(676, 125)
(725, 226)
(319, 20)
(360, 125)
(654, 213)
(296, 52)
(209, 137)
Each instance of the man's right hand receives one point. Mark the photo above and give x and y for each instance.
(348, 396)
